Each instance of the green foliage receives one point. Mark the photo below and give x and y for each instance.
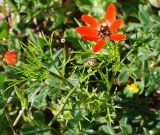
(59, 86)
(3, 30)
(124, 75)
(93, 7)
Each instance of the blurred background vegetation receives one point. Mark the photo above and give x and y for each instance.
(60, 88)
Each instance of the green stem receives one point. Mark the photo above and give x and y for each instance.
(50, 50)
(60, 78)
(9, 121)
(64, 60)
(30, 100)
(61, 107)
(115, 67)
(109, 115)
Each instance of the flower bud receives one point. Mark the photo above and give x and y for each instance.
(11, 57)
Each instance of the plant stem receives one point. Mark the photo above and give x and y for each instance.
(64, 60)
(10, 123)
(61, 107)
(60, 78)
(18, 117)
(30, 99)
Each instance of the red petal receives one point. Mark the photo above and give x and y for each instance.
(99, 45)
(11, 57)
(116, 25)
(117, 37)
(110, 14)
(91, 38)
(90, 20)
(84, 30)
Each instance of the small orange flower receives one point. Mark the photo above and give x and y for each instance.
(99, 32)
(11, 57)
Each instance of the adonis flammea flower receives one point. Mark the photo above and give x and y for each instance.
(11, 57)
(99, 32)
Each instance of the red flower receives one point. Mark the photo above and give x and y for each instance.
(99, 32)
(11, 57)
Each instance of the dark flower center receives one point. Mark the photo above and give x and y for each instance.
(104, 31)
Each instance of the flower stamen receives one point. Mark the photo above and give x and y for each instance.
(103, 31)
